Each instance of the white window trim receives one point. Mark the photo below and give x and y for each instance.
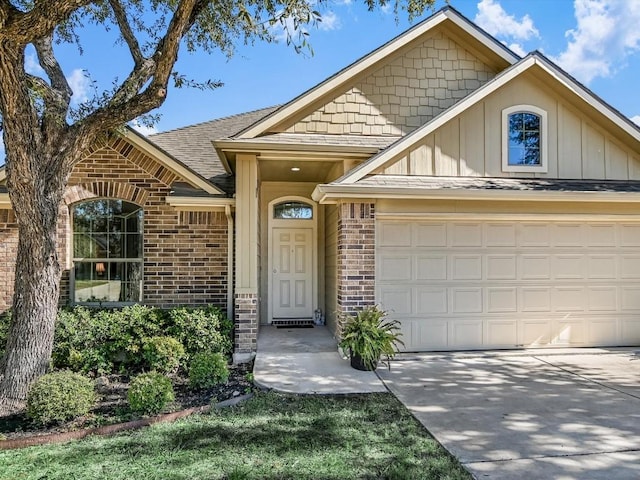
(544, 140)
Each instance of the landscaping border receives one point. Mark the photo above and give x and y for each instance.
(118, 427)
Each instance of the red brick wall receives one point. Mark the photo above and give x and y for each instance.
(185, 253)
(356, 257)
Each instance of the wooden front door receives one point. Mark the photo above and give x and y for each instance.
(292, 274)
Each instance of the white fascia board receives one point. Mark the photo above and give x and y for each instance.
(172, 164)
(258, 147)
(200, 203)
(421, 133)
(335, 192)
(371, 59)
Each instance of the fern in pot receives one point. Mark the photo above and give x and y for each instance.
(370, 338)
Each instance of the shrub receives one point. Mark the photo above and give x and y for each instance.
(201, 329)
(60, 396)
(149, 393)
(208, 369)
(163, 354)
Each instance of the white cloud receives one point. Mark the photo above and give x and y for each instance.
(495, 20)
(330, 21)
(143, 129)
(636, 120)
(80, 85)
(605, 35)
(516, 47)
(31, 65)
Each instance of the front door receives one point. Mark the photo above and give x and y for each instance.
(292, 274)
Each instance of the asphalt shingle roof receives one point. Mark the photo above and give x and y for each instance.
(192, 145)
(375, 142)
(508, 184)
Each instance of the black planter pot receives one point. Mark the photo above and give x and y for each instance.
(359, 364)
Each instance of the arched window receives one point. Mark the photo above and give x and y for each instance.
(524, 139)
(292, 210)
(107, 252)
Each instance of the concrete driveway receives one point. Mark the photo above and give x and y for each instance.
(570, 414)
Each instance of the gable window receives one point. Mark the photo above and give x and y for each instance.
(107, 252)
(293, 211)
(524, 139)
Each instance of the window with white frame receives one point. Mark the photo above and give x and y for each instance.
(524, 139)
(107, 252)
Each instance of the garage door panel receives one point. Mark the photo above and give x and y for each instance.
(502, 299)
(535, 332)
(602, 298)
(466, 267)
(507, 284)
(603, 267)
(424, 335)
(567, 235)
(502, 333)
(534, 235)
(466, 234)
(500, 235)
(536, 299)
(431, 301)
(601, 235)
(630, 298)
(629, 266)
(397, 301)
(466, 333)
(395, 234)
(431, 267)
(569, 332)
(568, 267)
(569, 299)
(466, 300)
(501, 267)
(535, 267)
(396, 268)
(430, 235)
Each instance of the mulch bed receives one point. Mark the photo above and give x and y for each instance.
(112, 407)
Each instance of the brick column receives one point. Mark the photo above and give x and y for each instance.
(356, 257)
(246, 326)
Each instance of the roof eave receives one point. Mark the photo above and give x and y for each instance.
(334, 193)
(258, 146)
(200, 203)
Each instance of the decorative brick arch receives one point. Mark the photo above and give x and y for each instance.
(105, 189)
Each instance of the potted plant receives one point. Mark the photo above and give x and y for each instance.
(370, 338)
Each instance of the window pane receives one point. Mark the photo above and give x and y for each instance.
(100, 237)
(293, 210)
(524, 139)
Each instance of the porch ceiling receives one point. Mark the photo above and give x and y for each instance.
(308, 171)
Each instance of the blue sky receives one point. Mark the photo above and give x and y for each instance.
(597, 41)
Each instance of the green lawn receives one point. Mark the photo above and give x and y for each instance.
(272, 436)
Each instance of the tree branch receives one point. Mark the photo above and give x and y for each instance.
(127, 32)
(61, 90)
(23, 28)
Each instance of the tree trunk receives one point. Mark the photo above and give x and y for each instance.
(37, 287)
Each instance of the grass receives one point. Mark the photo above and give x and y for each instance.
(271, 437)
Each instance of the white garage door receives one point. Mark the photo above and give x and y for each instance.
(509, 284)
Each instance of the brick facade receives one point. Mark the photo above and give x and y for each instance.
(356, 257)
(185, 253)
(246, 324)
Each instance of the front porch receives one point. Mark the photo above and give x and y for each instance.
(307, 361)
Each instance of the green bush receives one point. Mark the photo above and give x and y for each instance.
(104, 341)
(200, 330)
(208, 369)
(163, 354)
(60, 396)
(149, 393)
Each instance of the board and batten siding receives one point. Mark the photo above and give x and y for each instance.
(470, 144)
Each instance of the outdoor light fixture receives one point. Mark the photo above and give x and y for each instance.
(295, 169)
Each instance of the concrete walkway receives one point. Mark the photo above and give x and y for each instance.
(551, 414)
(306, 360)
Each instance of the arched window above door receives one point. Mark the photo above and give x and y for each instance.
(292, 210)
